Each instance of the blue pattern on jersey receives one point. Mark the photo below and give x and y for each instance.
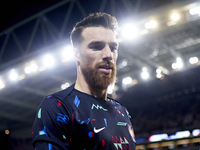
(105, 121)
(63, 118)
(50, 146)
(43, 131)
(76, 101)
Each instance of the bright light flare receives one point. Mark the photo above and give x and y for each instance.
(182, 134)
(124, 63)
(158, 70)
(13, 75)
(111, 88)
(48, 60)
(194, 11)
(178, 64)
(67, 53)
(159, 75)
(196, 132)
(129, 31)
(27, 70)
(158, 137)
(144, 74)
(151, 24)
(127, 80)
(175, 16)
(31, 68)
(34, 67)
(65, 85)
(193, 60)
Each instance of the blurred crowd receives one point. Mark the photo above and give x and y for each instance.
(167, 116)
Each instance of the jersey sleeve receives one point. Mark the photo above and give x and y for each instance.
(51, 129)
(130, 127)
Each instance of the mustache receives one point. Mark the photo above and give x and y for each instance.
(106, 65)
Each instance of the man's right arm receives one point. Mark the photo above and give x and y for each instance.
(51, 129)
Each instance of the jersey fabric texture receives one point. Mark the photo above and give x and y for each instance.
(72, 120)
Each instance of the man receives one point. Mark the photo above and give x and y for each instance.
(82, 117)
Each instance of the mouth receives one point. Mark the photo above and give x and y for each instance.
(107, 69)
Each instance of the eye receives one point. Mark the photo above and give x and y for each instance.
(97, 47)
(113, 48)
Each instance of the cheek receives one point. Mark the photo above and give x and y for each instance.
(115, 57)
(87, 60)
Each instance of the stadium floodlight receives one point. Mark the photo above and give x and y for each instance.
(124, 63)
(65, 85)
(48, 61)
(194, 11)
(13, 75)
(27, 70)
(144, 74)
(111, 88)
(158, 137)
(196, 132)
(129, 31)
(151, 24)
(33, 67)
(158, 71)
(193, 60)
(182, 134)
(175, 16)
(127, 80)
(158, 75)
(178, 64)
(174, 66)
(67, 53)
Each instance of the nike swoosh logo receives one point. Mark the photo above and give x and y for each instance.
(98, 130)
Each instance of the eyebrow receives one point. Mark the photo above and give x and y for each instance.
(114, 43)
(101, 42)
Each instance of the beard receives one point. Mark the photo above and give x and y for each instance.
(98, 79)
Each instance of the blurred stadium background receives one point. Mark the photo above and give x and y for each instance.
(158, 66)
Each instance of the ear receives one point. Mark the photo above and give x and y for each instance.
(76, 56)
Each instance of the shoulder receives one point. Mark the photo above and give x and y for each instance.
(56, 98)
(62, 94)
(115, 101)
(120, 106)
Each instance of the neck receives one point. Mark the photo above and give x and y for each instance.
(83, 86)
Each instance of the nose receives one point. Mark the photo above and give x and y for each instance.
(107, 53)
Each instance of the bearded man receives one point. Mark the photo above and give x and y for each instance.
(82, 117)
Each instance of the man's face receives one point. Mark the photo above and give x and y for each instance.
(98, 56)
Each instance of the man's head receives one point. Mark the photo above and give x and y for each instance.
(93, 20)
(96, 46)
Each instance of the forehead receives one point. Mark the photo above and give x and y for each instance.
(90, 34)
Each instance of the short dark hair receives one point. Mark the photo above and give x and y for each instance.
(93, 20)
